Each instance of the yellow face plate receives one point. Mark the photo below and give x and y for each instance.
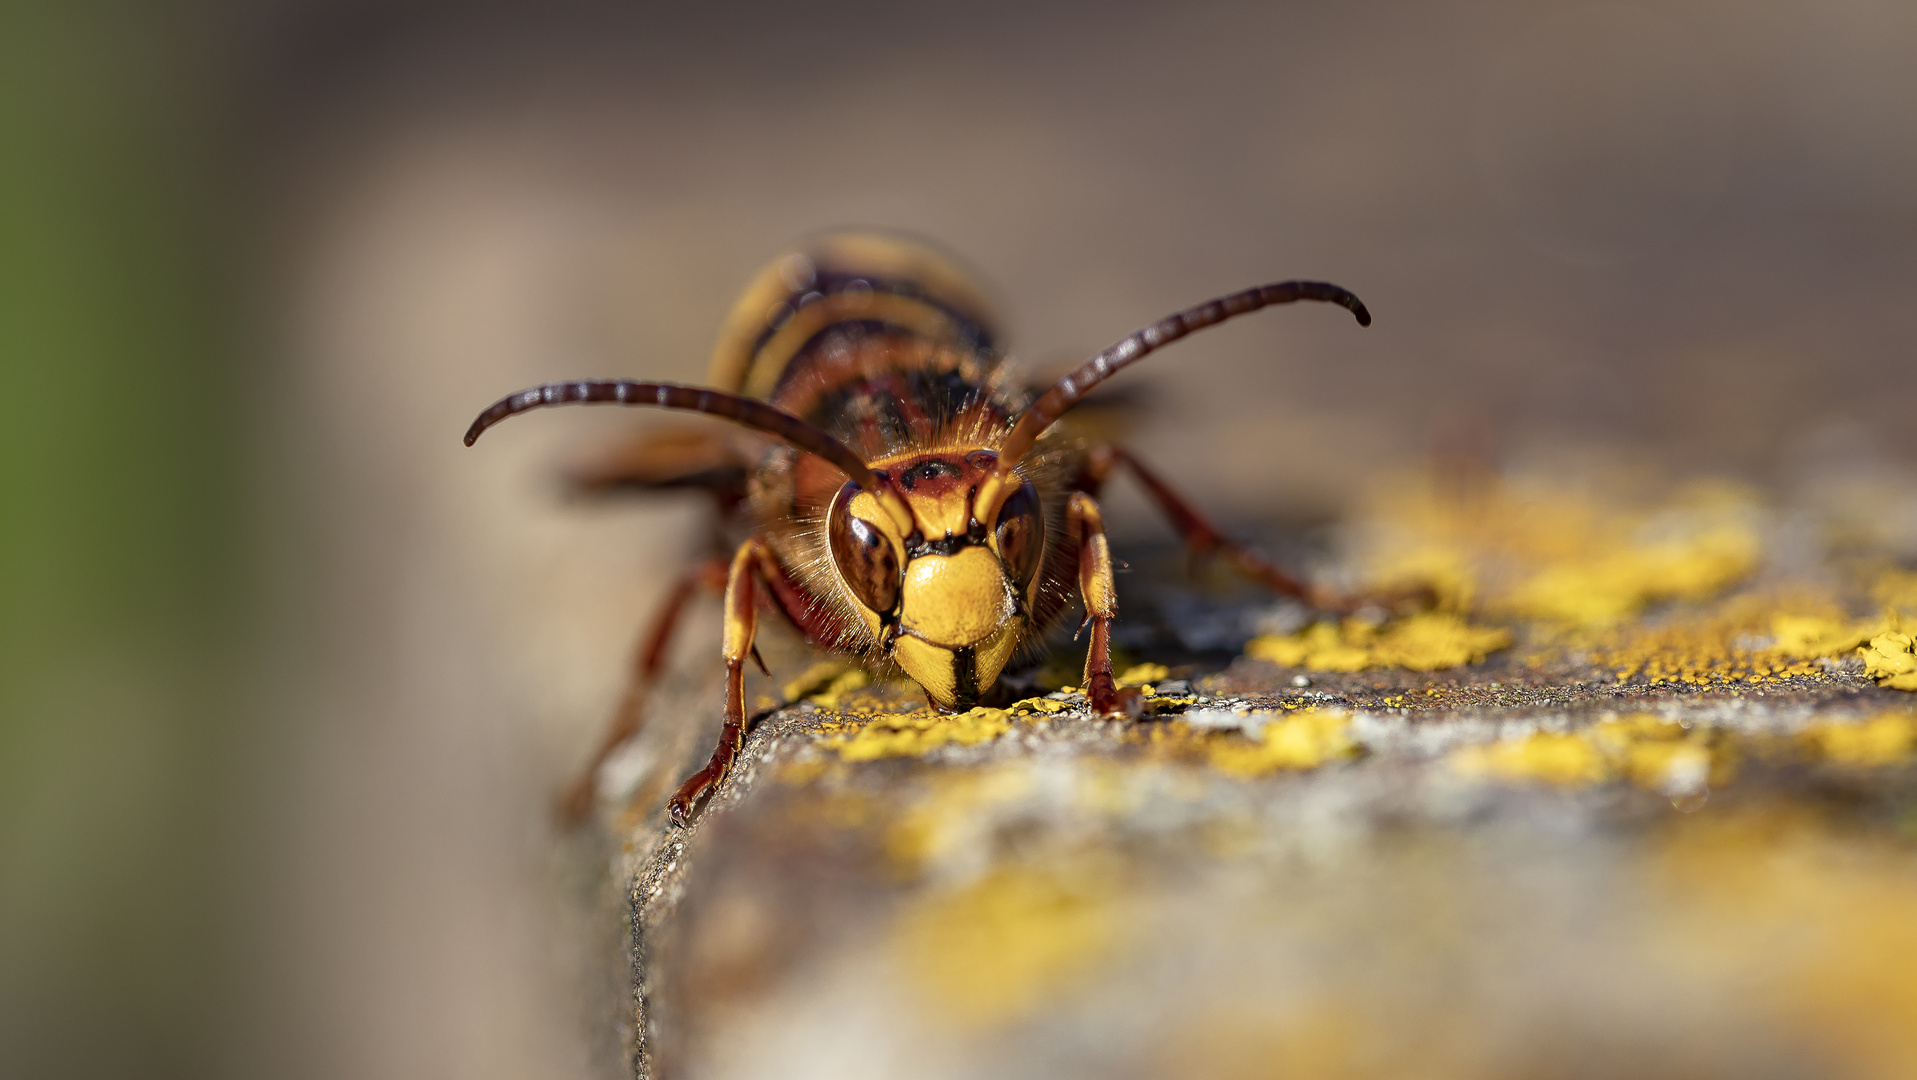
(937, 669)
(955, 600)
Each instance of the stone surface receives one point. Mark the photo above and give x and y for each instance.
(1649, 813)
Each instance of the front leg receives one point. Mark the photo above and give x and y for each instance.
(741, 623)
(1101, 607)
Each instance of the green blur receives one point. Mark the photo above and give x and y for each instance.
(119, 511)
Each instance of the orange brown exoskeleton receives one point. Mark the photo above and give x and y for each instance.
(914, 505)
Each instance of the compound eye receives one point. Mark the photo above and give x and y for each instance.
(1021, 535)
(866, 559)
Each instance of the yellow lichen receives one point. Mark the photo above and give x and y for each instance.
(824, 682)
(1617, 736)
(1140, 674)
(1435, 640)
(1649, 751)
(1891, 659)
(1675, 768)
(1808, 637)
(1663, 756)
(1302, 740)
(1883, 740)
(830, 697)
(814, 679)
(1540, 551)
(1583, 566)
(997, 949)
(915, 734)
(1320, 647)
(1756, 637)
(1566, 759)
(1431, 641)
(1604, 589)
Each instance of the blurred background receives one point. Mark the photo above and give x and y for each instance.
(288, 675)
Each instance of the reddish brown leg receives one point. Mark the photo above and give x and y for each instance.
(741, 623)
(1204, 539)
(664, 459)
(576, 802)
(1101, 607)
(1199, 534)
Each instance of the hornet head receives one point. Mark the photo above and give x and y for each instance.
(948, 595)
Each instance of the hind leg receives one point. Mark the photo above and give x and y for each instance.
(576, 802)
(1204, 539)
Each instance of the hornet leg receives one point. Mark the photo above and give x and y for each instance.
(576, 802)
(1101, 606)
(663, 460)
(741, 623)
(1204, 539)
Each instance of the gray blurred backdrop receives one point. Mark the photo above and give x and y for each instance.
(288, 675)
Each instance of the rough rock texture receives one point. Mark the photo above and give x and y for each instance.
(1638, 800)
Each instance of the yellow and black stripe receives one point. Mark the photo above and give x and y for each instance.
(875, 279)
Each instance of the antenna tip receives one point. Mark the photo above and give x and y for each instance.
(472, 433)
(1363, 315)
